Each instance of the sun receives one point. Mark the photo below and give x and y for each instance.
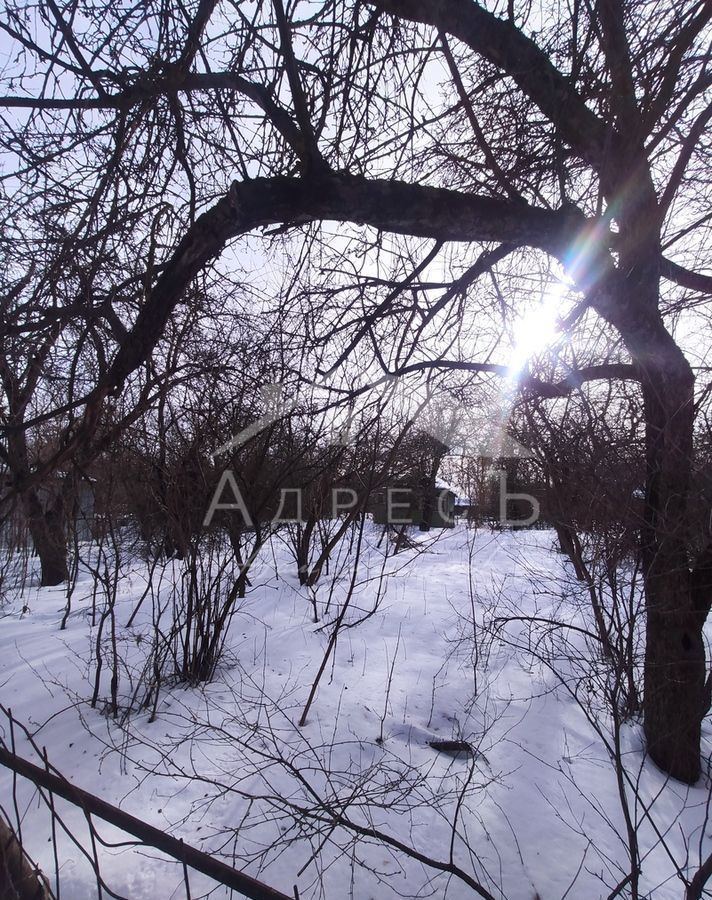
(537, 329)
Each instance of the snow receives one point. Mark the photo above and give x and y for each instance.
(226, 767)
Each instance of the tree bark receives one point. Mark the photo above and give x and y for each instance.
(19, 878)
(674, 673)
(49, 537)
(674, 703)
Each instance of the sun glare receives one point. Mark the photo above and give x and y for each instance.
(537, 329)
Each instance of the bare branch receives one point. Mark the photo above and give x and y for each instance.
(505, 45)
(694, 281)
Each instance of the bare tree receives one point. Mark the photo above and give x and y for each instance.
(573, 134)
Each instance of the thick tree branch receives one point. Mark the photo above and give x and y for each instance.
(615, 46)
(311, 156)
(696, 887)
(694, 281)
(195, 32)
(112, 102)
(392, 206)
(148, 834)
(529, 383)
(142, 91)
(503, 44)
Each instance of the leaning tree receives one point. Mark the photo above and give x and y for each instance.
(459, 140)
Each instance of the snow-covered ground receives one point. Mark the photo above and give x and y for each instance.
(533, 811)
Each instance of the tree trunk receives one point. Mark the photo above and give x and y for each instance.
(674, 702)
(674, 677)
(49, 537)
(19, 878)
(303, 545)
(47, 526)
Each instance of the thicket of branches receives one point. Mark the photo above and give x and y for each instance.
(201, 200)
